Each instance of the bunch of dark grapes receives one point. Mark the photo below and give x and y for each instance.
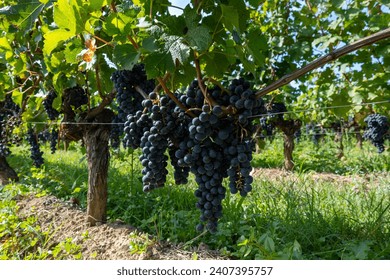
(44, 136)
(127, 84)
(11, 108)
(158, 127)
(36, 154)
(276, 110)
(9, 119)
(116, 132)
(376, 131)
(219, 145)
(48, 105)
(163, 131)
(4, 150)
(240, 168)
(180, 171)
(135, 127)
(298, 135)
(75, 96)
(208, 165)
(266, 127)
(215, 144)
(318, 133)
(53, 140)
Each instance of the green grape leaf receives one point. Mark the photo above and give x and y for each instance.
(230, 17)
(199, 38)
(356, 96)
(96, 5)
(177, 25)
(338, 3)
(53, 38)
(179, 51)
(125, 56)
(257, 44)
(72, 50)
(324, 41)
(117, 24)
(17, 97)
(190, 17)
(149, 44)
(340, 99)
(69, 15)
(216, 64)
(255, 3)
(24, 14)
(157, 63)
(6, 50)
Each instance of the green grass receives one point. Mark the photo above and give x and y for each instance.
(290, 218)
(23, 238)
(323, 157)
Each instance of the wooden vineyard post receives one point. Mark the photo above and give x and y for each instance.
(288, 127)
(96, 138)
(7, 174)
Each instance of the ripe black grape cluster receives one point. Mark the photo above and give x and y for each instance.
(316, 131)
(266, 127)
(48, 105)
(75, 96)
(53, 140)
(298, 135)
(49, 136)
(214, 145)
(36, 153)
(116, 132)
(4, 150)
(127, 98)
(274, 112)
(9, 119)
(220, 145)
(44, 136)
(135, 127)
(166, 128)
(376, 131)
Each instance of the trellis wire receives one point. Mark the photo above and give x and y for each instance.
(255, 116)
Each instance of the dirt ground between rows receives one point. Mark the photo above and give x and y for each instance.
(104, 242)
(112, 241)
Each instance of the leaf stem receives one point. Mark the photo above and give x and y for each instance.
(98, 81)
(102, 40)
(133, 42)
(173, 97)
(142, 92)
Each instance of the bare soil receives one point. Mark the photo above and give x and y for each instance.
(275, 174)
(102, 242)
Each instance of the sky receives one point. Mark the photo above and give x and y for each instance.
(179, 3)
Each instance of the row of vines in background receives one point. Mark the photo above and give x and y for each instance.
(212, 145)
